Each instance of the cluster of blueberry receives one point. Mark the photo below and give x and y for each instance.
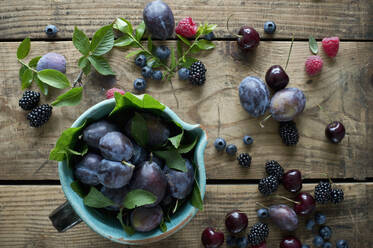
(244, 159)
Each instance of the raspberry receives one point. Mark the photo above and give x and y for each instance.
(29, 100)
(186, 28)
(331, 46)
(197, 73)
(313, 65)
(110, 92)
(39, 115)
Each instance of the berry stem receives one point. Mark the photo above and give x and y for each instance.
(290, 200)
(78, 79)
(291, 47)
(28, 67)
(261, 205)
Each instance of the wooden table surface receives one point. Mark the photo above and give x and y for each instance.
(29, 186)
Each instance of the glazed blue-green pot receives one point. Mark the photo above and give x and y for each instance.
(108, 226)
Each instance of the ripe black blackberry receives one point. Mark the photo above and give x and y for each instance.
(29, 100)
(197, 73)
(289, 133)
(39, 115)
(244, 159)
(268, 185)
(273, 168)
(322, 192)
(258, 233)
(336, 195)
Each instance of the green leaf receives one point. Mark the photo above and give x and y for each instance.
(82, 153)
(195, 49)
(23, 48)
(196, 200)
(34, 61)
(42, 86)
(69, 98)
(27, 78)
(101, 65)
(139, 130)
(102, 41)
(163, 226)
(134, 53)
(173, 159)
(150, 43)
(137, 198)
(123, 41)
(22, 69)
(209, 28)
(313, 45)
(96, 199)
(205, 44)
(81, 41)
(127, 228)
(76, 186)
(200, 30)
(140, 31)
(177, 139)
(173, 59)
(54, 78)
(188, 61)
(123, 25)
(186, 41)
(187, 148)
(84, 64)
(179, 50)
(66, 141)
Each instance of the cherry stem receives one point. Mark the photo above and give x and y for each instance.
(238, 36)
(327, 114)
(290, 200)
(259, 204)
(264, 120)
(291, 47)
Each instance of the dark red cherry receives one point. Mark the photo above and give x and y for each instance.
(290, 242)
(236, 221)
(212, 238)
(249, 38)
(307, 203)
(335, 131)
(276, 78)
(262, 245)
(292, 181)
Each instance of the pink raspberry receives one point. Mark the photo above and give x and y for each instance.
(331, 46)
(110, 92)
(186, 27)
(313, 65)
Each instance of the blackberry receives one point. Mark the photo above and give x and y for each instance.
(268, 185)
(258, 233)
(244, 159)
(289, 133)
(29, 100)
(336, 195)
(39, 115)
(322, 192)
(197, 73)
(273, 168)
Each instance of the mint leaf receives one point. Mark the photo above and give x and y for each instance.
(69, 98)
(96, 199)
(42, 86)
(82, 153)
(201, 30)
(187, 148)
(195, 49)
(81, 41)
(84, 64)
(140, 31)
(150, 43)
(196, 200)
(127, 228)
(123, 41)
(163, 226)
(102, 41)
(23, 48)
(34, 61)
(137, 198)
(188, 61)
(205, 44)
(179, 49)
(313, 45)
(173, 58)
(177, 139)
(77, 187)
(134, 53)
(123, 25)
(22, 69)
(209, 28)
(139, 130)
(101, 65)
(187, 42)
(173, 159)
(27, 78)
(54, 78)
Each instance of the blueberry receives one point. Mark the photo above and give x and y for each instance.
(318, 241)
(310, 224)
(306, 246)
(320, 218)
(220, 144)
(242, 242)
(157, 75)
(342, 244)
(232, 241)
(51, 30)
(269, 27)
(210, 36)
(248, 140)
(327, 245)
(262, 213)
(140, 60)
(183, 73)
(139, 84)
(325, 232)
(162, 52)
(146, 72)
(231, 149)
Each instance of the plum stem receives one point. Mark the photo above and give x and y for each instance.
(264, 120)
(288, 199)
(78, 79)
(259, 204)
(229, 17)
(291, 47)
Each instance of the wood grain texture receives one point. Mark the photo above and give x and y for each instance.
(24, 217)
(344, 89)
(346, 19)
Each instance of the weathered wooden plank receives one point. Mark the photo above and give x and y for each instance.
(344, 89)
(24, 217)
(346, 19)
